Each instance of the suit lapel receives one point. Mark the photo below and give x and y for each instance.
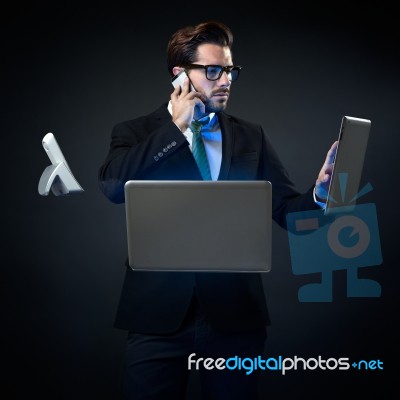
(227, 145)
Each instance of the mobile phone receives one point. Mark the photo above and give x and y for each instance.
(179, 79)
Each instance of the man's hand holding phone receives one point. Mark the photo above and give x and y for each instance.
(186, 103)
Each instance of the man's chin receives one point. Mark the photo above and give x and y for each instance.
(216, 106)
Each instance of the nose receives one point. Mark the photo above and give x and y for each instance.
(224, 79)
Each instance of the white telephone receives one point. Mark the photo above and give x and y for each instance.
(57, 177)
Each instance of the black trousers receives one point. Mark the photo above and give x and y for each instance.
(157, 366)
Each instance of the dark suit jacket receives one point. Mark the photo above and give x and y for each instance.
(153, 148)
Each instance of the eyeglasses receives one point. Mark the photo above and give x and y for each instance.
(214, 72)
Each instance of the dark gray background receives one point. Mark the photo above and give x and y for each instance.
(77, 71)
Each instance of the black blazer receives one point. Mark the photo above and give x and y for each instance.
(152, 147)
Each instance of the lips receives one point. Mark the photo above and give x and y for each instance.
(221, 94)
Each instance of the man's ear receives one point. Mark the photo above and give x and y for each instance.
(176, 70)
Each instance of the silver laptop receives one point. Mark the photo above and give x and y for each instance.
(216, 226)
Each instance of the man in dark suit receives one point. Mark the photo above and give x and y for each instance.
(171, 315)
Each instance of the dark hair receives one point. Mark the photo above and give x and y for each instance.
(182, 46)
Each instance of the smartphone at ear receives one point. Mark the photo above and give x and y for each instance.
(179, 79)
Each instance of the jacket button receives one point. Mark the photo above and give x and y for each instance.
(173, 143)
(156, 158)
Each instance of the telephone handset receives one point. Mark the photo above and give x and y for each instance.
(179, 79)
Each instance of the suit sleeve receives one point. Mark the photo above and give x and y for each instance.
(134, 152)
(286, 198)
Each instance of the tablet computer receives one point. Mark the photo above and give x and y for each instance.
(348, 165)
(218, 226)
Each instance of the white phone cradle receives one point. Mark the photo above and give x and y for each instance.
(57, 177)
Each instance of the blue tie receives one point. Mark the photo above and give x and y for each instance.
(198, 149)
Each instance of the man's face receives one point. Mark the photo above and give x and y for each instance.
(216, 92)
